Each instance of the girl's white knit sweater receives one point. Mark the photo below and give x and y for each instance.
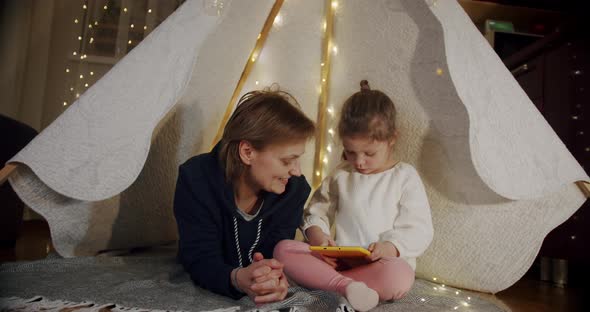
(364, 208)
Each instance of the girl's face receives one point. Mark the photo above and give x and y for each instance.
(367, 155)
(270, 168)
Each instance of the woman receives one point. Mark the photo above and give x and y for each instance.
(234, 204)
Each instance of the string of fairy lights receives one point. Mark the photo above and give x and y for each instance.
(324, 142)
(78, 75)
(464, 301)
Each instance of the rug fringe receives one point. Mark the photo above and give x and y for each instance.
(39, 303)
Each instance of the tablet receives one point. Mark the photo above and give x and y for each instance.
(341, 251)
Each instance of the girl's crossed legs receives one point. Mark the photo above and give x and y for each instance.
(390, 277)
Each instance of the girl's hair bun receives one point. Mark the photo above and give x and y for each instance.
(365, 85)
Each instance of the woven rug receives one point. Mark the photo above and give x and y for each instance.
(158, 283)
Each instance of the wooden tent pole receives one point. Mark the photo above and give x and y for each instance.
(248, 67)
(584, 187)
(6, 172)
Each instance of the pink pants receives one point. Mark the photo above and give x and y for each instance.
(390, 277)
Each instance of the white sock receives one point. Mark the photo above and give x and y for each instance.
(361, 297)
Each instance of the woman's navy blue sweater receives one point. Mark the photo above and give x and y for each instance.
(210, 228)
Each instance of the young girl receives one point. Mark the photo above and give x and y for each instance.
(373, 200)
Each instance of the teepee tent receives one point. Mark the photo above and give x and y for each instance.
(497, 176)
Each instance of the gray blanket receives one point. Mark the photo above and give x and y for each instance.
(158, 282)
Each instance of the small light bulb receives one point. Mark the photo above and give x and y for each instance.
(125, 10)
(105, 7)
(81, 76)
(149, 10)
(84, 7)
(335, 50)
(443, 285)
(86, 85)
(71, 89)
(331, 131)
(77, 95)
(257, 82)
(422, 299)
(144, 27)
(79, 37)
(434, 278)
(322, 64)
(89, 25)
(455, 308)
(91, 73)
(74, 53)
(330, 110)
(259, 35)
(325, 160)
(334, 5)
(67, 70)
(456, 293)
(278, 20)
(468, 298)
(76, 21)
(329, 148)
(323, 79)
(129, 42)
(65, 103)
(132, 26)
(91, 40)
(95, 23)
(317, 173)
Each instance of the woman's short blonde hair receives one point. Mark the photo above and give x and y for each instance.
(262, 118)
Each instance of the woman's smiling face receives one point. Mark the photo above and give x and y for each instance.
(271, 167)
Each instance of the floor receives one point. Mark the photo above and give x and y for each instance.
(528, 294)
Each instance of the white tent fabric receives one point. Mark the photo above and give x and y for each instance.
(87, 173)
(497, 176)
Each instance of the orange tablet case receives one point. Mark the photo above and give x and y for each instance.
(341, 251)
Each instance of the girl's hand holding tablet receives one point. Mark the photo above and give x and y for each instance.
(382, 249)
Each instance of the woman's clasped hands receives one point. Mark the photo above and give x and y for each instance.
(263, 280)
